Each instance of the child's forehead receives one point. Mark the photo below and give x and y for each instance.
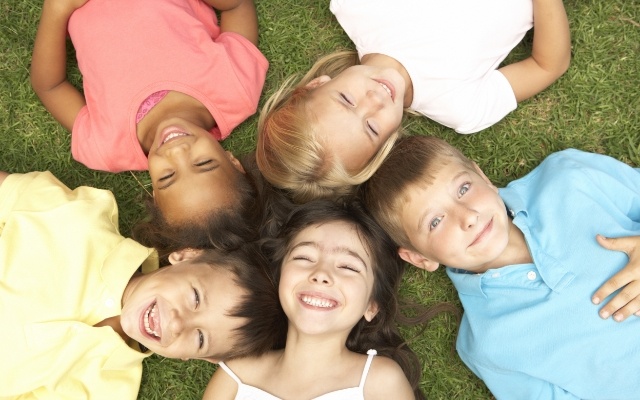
(439, 172)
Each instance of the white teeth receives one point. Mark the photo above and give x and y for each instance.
(385, 87)
(151, 312)
(317, 302)
(173, 135)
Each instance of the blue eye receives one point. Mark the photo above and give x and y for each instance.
(464, 189)
(435, 222)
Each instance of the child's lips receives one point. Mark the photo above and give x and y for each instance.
(172, 133)
(388, 87)
(483, 233)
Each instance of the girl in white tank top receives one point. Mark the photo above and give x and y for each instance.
(337, 275)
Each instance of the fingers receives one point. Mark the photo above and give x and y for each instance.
(624, 304)
(627, 301)
(624, 244)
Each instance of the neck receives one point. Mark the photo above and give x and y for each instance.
(382, 60)
(313, 352)
(174, 104)
(516, 252)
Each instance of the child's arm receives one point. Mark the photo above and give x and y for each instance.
(627, 301)
(386, 380)
(238, 16)
(221, 386)
(550, 55)
(49, 63)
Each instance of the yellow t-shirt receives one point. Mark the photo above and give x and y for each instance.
(63, 268)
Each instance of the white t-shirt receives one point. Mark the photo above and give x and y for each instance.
(451, 50)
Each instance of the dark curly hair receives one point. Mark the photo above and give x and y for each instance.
(225, 229)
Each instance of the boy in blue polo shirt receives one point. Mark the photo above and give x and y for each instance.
(524, 260)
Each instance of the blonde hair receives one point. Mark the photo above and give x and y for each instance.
(288, 152)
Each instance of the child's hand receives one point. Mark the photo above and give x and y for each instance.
(627, 301)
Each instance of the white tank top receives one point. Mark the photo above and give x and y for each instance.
(248, 392)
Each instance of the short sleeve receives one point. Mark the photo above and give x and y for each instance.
(249, 67)
(469, 107)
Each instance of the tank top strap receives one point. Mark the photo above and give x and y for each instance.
(365, 372)
(231, 374)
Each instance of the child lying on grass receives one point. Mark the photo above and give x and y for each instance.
(77, 316)
(525, 261)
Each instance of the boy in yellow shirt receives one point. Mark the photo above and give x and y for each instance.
(74, 306)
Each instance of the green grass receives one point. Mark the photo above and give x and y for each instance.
(593, 107)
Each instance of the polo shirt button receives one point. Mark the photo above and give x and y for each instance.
(109, 303)
(531, 275)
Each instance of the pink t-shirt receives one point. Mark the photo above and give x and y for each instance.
(127, 50)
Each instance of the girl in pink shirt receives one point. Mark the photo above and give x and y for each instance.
(162, 83)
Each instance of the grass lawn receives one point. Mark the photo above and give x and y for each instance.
(593, 107)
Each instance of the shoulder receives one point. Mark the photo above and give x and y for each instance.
(386, 380)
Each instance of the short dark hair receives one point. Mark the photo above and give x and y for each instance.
(266, 324)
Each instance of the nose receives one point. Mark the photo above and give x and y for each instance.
(468, 217)
(321, 275)
(372, 100)
(176, 323)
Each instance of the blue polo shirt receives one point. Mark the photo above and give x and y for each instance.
(530, 331)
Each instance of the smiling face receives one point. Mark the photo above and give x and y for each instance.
(191, 173)
(327, 279)
(183, 311)
(356, 112)
(458, 220)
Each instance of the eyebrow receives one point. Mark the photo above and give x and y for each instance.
(339, 249)
(200, 171)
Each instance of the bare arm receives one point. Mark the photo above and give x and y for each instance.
(550, 55)
(220, 387)
(386, 380)
(627, 301)
(49, 63)
(238, 16)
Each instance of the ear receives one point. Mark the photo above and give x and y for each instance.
(236, 163)
(317, 82)
(484, 177)
(417, 259)
(183, 255)
(371, 311)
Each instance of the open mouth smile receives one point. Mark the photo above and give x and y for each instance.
(151, 322)
(318, 302)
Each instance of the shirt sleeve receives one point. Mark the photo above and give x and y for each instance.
(469, 107)
(249, 67)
